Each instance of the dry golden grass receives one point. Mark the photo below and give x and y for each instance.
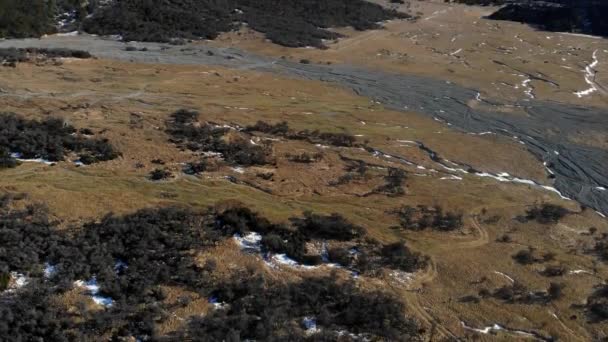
(130, 103)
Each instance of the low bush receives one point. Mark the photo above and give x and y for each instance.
(398, 256)
(49, 139)
(394, 182)
(10, 56)
(305, 157)
(526, 257)
(517, 293)
(331, 227)
(184, 129)
(280, 129)
(160, 174)
(133, 257)
(546, 213)
(259, 310)
(597, 304)
(554, 271)
(422, 217)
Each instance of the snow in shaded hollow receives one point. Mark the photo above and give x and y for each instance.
(250, 242)
(49, 270)
(590, 74)
(93, 290)
(17, 280)
(310, 324)
(18, 156)
(213, 300)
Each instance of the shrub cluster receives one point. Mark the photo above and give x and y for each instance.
(11, 56)
(315, 137)
(273, 312)
(518, 293)
(601, 247)
(132, 257)
(546, 213)
(160, 174)
(49, 139)
(423, 217)
(597, 304)
(289, 23)
(394, 182)
(305, 157)
(186, 131)
(558, 15)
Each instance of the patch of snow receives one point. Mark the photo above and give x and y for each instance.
(18, 156)
(579, 272)
(250, 242)
(16, 281)
(456, 52)
(590, 73)
(506, 276)
(310, 323)
(120, 266)
(321, 146)
(93, 289)
(216, 303)
(67, 34)
(495, 327)
(451, 177)
(49, 270)
(401, 276)
(529, 90)
(601, 214)
(600, 188)
(580, 35)
(238, 170)
(407, 142)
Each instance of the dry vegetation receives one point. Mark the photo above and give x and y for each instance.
(322, 175)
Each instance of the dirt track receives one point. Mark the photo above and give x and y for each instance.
(544, 127)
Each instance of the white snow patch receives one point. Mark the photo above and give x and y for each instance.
(580, 35)
(120, 266)
(456, 52)
(49, 270)
(590, 73)
(93, 288)
(407, 142)
(216, 303)
(401, 276)
(493, 328)
(529, 90)
(18, 156)
(506, 276)
(600, 188)
(16, 281)
(238, 170)
(250, 242)
(310, 323)
(579, 272)
(451, 177)
(67, 34)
